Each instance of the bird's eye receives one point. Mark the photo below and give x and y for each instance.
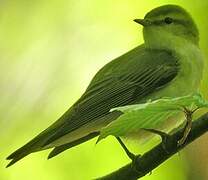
(168, 20)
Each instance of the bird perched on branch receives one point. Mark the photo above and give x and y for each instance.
(167, 64)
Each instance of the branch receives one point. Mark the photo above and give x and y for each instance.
(157, 155)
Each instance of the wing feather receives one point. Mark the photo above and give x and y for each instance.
(119, 89)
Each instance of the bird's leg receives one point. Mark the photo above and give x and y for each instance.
(164, 136)
(129, 154)
(188, 125)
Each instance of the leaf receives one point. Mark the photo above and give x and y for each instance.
(150, 114)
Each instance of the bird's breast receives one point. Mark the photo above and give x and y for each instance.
(191, 69)
(189, 76)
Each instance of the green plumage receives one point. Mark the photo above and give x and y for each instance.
(147, 71)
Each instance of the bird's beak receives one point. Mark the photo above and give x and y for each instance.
(143, 22)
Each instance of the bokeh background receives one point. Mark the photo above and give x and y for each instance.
(49, 51)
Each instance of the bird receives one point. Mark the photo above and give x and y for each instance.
(168, 64)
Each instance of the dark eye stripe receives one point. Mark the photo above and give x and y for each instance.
(175, 21)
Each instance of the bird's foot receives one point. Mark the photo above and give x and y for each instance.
(128, 153)
(188, 115)
(134, 158)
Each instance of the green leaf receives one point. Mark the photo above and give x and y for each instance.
(150, 114)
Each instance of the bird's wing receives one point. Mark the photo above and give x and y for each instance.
(121, 82)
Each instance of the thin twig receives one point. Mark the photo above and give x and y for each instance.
(157, 155)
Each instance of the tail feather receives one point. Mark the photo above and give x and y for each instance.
(32, 146)
(19, 154)
(60, 149)
(37, 143)
(16, 158)
(23, 150)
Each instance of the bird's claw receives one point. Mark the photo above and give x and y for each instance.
(188, 114)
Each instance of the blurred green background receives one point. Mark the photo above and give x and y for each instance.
(49, 51)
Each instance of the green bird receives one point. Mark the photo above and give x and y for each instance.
(168, 64)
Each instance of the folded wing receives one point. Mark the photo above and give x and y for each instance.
(123, 81)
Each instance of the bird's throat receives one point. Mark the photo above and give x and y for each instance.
(156, 39)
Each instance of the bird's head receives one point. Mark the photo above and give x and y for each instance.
(166, 24)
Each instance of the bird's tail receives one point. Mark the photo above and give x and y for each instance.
(59, 149)
(19, 154)
(40, 142)
(37, 143)
(32, 146)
